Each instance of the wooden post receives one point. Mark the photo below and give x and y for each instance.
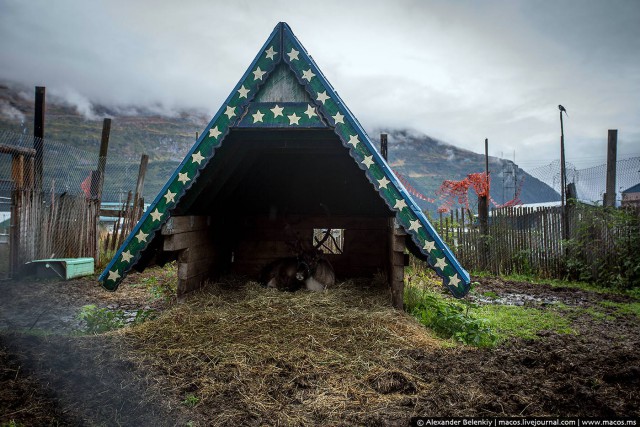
(98, 183)
(396, 263)
(612, 148)
(142, 170)
(483, 211)
(383, 145)
(38, 136)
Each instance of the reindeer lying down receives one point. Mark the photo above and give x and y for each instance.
(308, 269)
(294, 273)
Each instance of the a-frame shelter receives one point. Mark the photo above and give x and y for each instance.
(283, 151)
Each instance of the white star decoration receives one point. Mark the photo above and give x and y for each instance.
(258, 73)
(338, 118)
(308, 75)
(197, 157)
(243, 91)
(293, 54)
(429, 245)
(293, 119)
(257, 117)
(126, 256)
(277, 111)
(400, 204)
(383, 182)
(368, 161)
(454, 280)
(270, 53)
(322, 97)
(156, 215)
(231, 111)
(441, 263)
(171, 197)
(113, 275)
(141, 236)
(214, 132)
(415, 225)
(310, 111)
(183, 177)
(353, 140)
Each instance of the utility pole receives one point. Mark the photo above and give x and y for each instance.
(612, 148)
(563, 179)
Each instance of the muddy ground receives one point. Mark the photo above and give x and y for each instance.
(52, 375)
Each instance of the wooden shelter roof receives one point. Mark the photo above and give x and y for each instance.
(266, 109)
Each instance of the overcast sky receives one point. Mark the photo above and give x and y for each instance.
(458, 71)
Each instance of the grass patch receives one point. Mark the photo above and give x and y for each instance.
(479, 325)
(98, 320)
(622, 308)
(161, 283)
(449, 318)
(522, 322)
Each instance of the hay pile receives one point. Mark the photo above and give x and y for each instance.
(251, 355)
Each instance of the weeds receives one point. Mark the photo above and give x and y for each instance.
(451, 319)
(100, 320)
(191, 400)
(161, 286)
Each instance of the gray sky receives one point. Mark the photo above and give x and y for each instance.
(459, 71)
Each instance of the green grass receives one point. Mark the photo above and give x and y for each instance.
(622, 308)
(522, 322)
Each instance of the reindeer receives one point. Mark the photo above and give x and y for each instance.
(308, 269)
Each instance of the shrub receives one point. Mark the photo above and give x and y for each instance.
(615, 230)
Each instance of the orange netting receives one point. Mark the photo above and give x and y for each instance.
(452, 191)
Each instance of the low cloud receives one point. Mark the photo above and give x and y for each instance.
(10, 112)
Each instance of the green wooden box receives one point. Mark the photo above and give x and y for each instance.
(64, 268)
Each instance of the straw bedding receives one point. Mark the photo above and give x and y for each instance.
(247, 355)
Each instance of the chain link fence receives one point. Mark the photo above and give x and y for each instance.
(49, 203)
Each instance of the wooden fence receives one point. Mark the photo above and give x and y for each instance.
(63, 226)
(525, 240)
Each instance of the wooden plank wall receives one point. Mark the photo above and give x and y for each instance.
(190, 236)
(261, 240)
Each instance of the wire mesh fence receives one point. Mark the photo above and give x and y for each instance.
(590, 182)
(50, 200)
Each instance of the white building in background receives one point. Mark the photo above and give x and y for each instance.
(631, 196)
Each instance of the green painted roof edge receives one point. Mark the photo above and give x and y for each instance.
(347, 128)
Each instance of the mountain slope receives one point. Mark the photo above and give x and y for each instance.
(74, 141)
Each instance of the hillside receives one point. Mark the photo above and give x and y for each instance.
(74, 142)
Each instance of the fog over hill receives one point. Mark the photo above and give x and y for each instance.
(74, 127)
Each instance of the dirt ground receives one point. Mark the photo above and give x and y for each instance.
(50, 374)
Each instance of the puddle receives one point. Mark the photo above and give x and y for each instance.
(517, 300)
